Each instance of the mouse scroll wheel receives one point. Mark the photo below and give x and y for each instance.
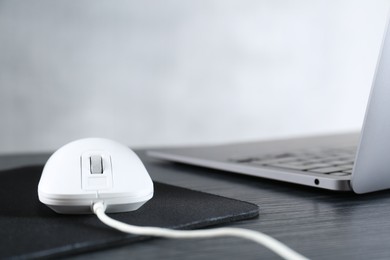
(96, 164)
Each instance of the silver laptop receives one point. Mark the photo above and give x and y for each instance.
(359, 162)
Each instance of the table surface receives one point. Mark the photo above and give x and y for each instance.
(317, 223)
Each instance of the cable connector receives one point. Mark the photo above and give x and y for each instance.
(98, 206)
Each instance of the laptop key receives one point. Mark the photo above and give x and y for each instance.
(243, 160)
(318, 165)
(278, 161)
(339, 173)
(328, 169)
(289, 166)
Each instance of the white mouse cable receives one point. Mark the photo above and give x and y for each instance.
(260, 238)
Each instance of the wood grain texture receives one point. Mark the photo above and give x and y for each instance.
(317, 223)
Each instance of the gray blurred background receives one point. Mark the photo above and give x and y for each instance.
(156, 73)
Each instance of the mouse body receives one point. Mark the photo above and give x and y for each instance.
(94, 169)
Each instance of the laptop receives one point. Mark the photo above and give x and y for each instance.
(358, 162)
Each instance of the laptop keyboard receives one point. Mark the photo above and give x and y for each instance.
(336, 162)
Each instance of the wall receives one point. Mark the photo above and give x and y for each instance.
(151, 73)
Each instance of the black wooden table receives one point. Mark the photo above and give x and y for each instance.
(319, 224)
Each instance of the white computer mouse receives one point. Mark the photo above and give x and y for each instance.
(94, 169)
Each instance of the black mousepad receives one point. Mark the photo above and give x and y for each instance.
(29, 229)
